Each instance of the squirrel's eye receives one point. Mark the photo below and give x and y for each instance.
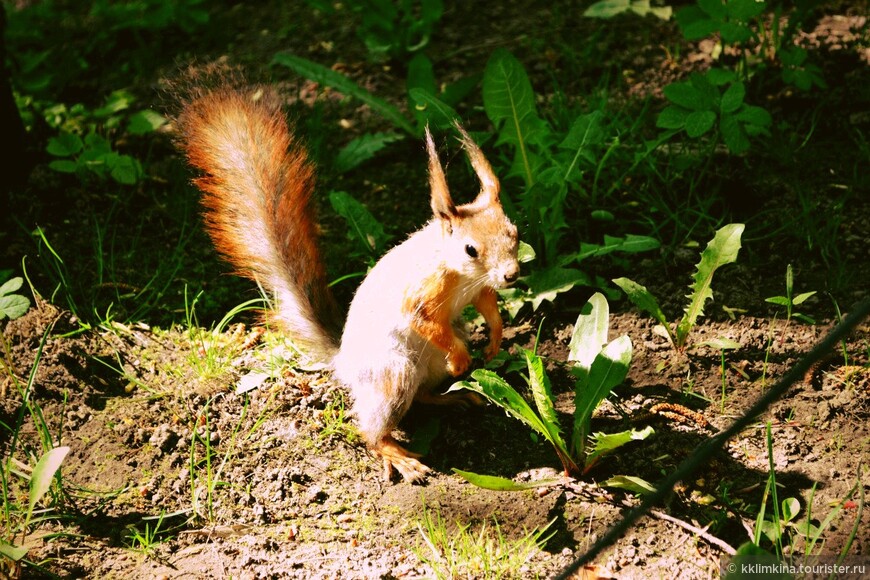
(471, 251)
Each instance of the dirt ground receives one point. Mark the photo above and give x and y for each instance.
(268, 480)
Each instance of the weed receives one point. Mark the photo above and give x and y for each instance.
(468, 553)
(12, 305)
(722, 344)
(598, 366)
(721, 250)
(790, 301)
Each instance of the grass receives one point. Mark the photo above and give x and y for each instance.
(474, 550)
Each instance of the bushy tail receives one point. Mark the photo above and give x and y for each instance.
(257, 183)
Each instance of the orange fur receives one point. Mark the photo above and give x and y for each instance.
(487, 304)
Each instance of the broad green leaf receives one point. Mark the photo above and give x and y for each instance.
(43, 474)
(754, 115)
(801, 298)
(124, 169)
(362, 149)
(63, 166)
(604, 443)
(778, 300)
(13, 306)
(326, 76)
(14, 553)
(590, 331)
(607, 371)
(713, 8)
(790, 508)
(146, 121)
(547, 284)
(455, 92)
(509, 103)
(432, 109)
(720, 76)
(502, 483)
(11, 285)
(686, 95)
(733, 134)
(699, 122)
(525, 253)
(362, 225)
(630, 483)
(721, 250)
(672, 117)
(733, 98)
(743, 10)
(421, 75)
(64, 145)
(700, 29)
(643, 299)
(734, 32)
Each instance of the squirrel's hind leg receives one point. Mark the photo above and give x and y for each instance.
(394, 455)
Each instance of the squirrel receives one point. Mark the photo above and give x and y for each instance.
(401, 337)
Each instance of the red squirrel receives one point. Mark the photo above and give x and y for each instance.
(402, 336)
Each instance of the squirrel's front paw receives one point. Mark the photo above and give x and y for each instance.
(458, 361)
(491, 350)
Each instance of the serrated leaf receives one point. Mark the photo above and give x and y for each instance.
(643, 299)
(672, 117)
(743, 10)
(721, 250)
(720, 76)
(362, 149)
(502, 483)
(362, 225)
(733, 134)
(432, 109)
(699, 122)
(713, 8)
(754, 115)
(64, 145)
(686, 95)
(732, 98)
(326, 76)
(604, 443)
(124, 169)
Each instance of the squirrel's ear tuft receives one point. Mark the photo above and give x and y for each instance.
(489, 185)
(442, 204)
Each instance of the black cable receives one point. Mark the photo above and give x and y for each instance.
(706, 449)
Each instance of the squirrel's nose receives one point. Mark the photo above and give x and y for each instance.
(511, 275)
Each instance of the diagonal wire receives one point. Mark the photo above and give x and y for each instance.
(706, 449)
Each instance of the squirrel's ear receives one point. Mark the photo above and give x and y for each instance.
(489, 185)
(442, 204)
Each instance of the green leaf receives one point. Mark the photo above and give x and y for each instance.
(362, 149)
(63, 166)
(733, 98)
(607, 8)
(744, 10)
(733, 134)
(547, 284)
(604, 443)
(494, 388)
(509, 103)
(643, 299)
(720, 76)
(686, 95)
(699, 122)
(790, 508)
(543, 396)
(421, 75)
(362, 225)
(124, 169)
(11, 285)
(700, 29)
(14, 553)
(502, 483)
(525, 253)
(64, 145)
(325, 76)
(12, 306)
(432, 109)
(590, 331)
(721, 250)
(672, 117)
(630, 483)
(715, 9)
(144, 122)
(754, 115)
(801, 298)
(778, 300)
(630, 244)
(586, 130)
(43, 474)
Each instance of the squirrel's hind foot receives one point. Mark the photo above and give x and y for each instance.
(406, 462)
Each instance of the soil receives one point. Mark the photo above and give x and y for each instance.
(177, 434)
